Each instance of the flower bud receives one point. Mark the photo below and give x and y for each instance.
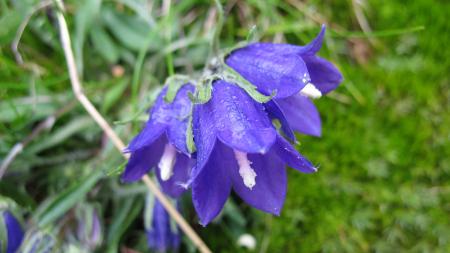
(14, 233)
(89, 230)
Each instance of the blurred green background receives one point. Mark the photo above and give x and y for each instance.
(384, 157)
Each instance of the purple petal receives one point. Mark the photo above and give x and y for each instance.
(324, 75)
(240, 122)
(301, 114)
(212, 187)
(314, 46)
(142, 160)
(171, 117)
(204, 137)
(286, 74)
(181, 109)
(285, 49)
(269, 192)
(14, 232)
(291, 157)
(181, 170)
(275, 112)
(151, 132)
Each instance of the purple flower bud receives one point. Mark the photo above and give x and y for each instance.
(162, 234)
(14, 233)
(89, 230)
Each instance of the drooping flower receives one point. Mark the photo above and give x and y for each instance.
(238, 148)
(294, 72)
(14, 233)
(162, 234)
(162, 144)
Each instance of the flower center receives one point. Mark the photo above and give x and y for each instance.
(311, 91)
(245, 170)
(167, 162)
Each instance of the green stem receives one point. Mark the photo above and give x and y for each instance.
(218, 30)
(168, 35)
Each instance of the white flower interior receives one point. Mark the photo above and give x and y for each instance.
(311, 91)
(245, 170)
(167, 162)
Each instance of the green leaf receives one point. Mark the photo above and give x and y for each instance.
(125, 213)
(141, 7)
(62, 134)
(131, 31)
(84, 18)
(10, 20)
(104, 44)
(252, 35)
(230, 75)
(114, 94)
(115, 171)
(66, 200)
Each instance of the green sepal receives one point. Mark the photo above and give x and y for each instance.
(190, 136)
(174, 83)
(230, 75)
(203, 92)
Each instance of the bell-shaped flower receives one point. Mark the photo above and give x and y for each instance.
(294, 73)
(162, 234)
(238, 148)
(162, 143)
(14, 233)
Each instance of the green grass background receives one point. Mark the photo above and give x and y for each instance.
(383, 183)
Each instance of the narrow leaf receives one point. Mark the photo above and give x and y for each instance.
(67, 199)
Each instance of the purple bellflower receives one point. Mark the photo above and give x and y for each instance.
(295, 73)
(238, 148)
(162, 144)
(14, 233)
(162, 234)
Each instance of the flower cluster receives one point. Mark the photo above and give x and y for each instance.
(238, 146)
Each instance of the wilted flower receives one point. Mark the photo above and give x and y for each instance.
(162, 234)
(14, 233)
(162, 143)
(238, 147)
(294, 73)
